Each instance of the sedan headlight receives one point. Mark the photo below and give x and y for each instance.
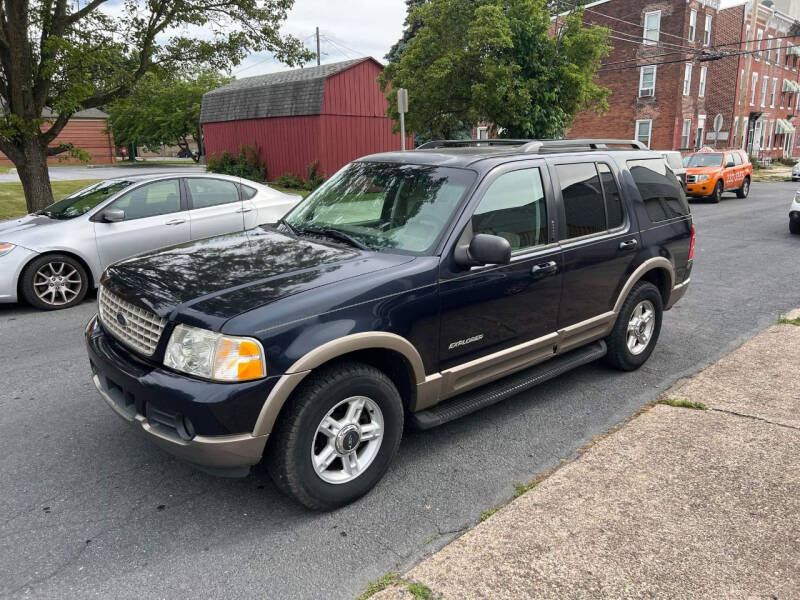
(702, 178)
(5, 248)
(214, 356)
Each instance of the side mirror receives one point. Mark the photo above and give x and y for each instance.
(113, 215)
(485, 249)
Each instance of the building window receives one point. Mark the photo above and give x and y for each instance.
(772, 95)
(759, 37)
(764, 84)
(643, 129)
(647, 81)
(686, 133)
(769, 50)
(701, 124)
(483, 133)
(692, 24)
(745, 121)
(778, 53)
(707, 31)
(753, 90)
(652, 27)
(735, 132)
(748, 42)
(687, 79)
(701, 92)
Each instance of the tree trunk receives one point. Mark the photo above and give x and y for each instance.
(34, 176)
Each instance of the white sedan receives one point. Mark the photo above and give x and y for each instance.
(53, 257)
(794, 213)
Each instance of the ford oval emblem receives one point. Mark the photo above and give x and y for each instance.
(122, 320)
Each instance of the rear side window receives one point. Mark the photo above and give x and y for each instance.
(660, 190)
(514, 208)
(248, 192)
(582, 194)
(737, 158)
(207, 192)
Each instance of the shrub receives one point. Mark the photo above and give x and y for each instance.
(788, 161)
(246, 165)
(314, 179)
(290, 181)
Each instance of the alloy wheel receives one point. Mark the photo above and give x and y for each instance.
(641, 326)
(57, 283)
(347, 440)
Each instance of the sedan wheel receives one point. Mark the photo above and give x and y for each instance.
(54, 281)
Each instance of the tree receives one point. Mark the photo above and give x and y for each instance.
(162, 110)
(65, 56)
(409, 30)
(498, 61)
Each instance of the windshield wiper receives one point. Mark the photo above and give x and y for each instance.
(288, 226)
(336, 234)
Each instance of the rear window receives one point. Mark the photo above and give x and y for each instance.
(674, 160)
(660, 190)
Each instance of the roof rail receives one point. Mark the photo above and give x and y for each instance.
(537, 146)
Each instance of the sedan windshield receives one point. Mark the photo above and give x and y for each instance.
(85, 199)
(383, 205)
(704, 160)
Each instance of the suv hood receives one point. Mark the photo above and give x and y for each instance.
(702, 170)
(209, 281)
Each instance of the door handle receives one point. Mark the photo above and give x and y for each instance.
(628, 245)
(244, 210)
(544, 269)
(175, 222)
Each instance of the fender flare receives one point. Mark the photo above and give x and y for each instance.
(368, 340)
(657, 262)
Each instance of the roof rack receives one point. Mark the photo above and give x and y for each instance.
(538, 146)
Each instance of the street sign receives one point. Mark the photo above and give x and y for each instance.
(402, 108)
(718, 120)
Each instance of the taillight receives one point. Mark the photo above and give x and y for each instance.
(691, 245)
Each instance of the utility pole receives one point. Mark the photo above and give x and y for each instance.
(317, 46)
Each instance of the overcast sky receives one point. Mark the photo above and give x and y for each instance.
(348, 29)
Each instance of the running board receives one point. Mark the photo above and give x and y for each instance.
(494, 392)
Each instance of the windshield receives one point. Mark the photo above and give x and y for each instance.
(704, 160)
(383, 205)
(85, 199)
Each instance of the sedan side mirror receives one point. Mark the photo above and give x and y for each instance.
(485, 249)
(113, 215)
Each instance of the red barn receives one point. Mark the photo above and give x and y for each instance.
(332, 113)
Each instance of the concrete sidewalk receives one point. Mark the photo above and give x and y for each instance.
(677, 503)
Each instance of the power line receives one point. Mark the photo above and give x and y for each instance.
(591, 10)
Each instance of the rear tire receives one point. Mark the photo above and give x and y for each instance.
(316, 433)
(716, 196)
(53, 282)
(743, 191)
(636, 332)
(794, 227)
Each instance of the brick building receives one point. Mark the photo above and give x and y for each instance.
(664, 93)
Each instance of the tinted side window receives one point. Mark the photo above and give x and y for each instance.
(212, 192)
(662, 194)
(614, 210)
(737, 159)
(514, 208)
(157, 198)
(248, 192)
(584, 207)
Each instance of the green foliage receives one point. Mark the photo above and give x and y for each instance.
(483, 60)
(489, 512)
(419, 590)
(313, 178)
(378, 585)
(785, 321)
(788, 161)
(682, 403)
(162, 110)
(246, 165)
(290, 181)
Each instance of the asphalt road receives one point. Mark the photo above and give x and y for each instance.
(88, 509)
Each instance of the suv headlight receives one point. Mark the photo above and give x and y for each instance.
(214, 356)
(702, 178)
(5, 248)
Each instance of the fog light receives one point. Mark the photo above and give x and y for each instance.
(186, 428)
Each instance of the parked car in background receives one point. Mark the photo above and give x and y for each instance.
(674, 161)
(796, 172)
(794, 213)
(53, 257)
(413, 286)
(710, 172)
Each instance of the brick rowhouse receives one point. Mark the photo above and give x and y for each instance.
(664, 94)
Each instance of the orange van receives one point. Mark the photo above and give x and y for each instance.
(709, 173)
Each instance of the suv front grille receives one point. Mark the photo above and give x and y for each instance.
(133, 326)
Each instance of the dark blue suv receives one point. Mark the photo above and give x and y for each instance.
(410, 287)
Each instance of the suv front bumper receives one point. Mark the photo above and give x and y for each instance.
(138, 395)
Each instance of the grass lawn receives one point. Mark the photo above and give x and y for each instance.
(12, 201)
(302, 193)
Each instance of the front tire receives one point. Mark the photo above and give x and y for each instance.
(794, 226)
(636, 331)
(716, 196)
(53, 282)
(743, 191)
(337, 435)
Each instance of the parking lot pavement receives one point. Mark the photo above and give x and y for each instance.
(88, 509)
(92, 172)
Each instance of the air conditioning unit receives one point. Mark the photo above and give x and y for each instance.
(646, 93)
